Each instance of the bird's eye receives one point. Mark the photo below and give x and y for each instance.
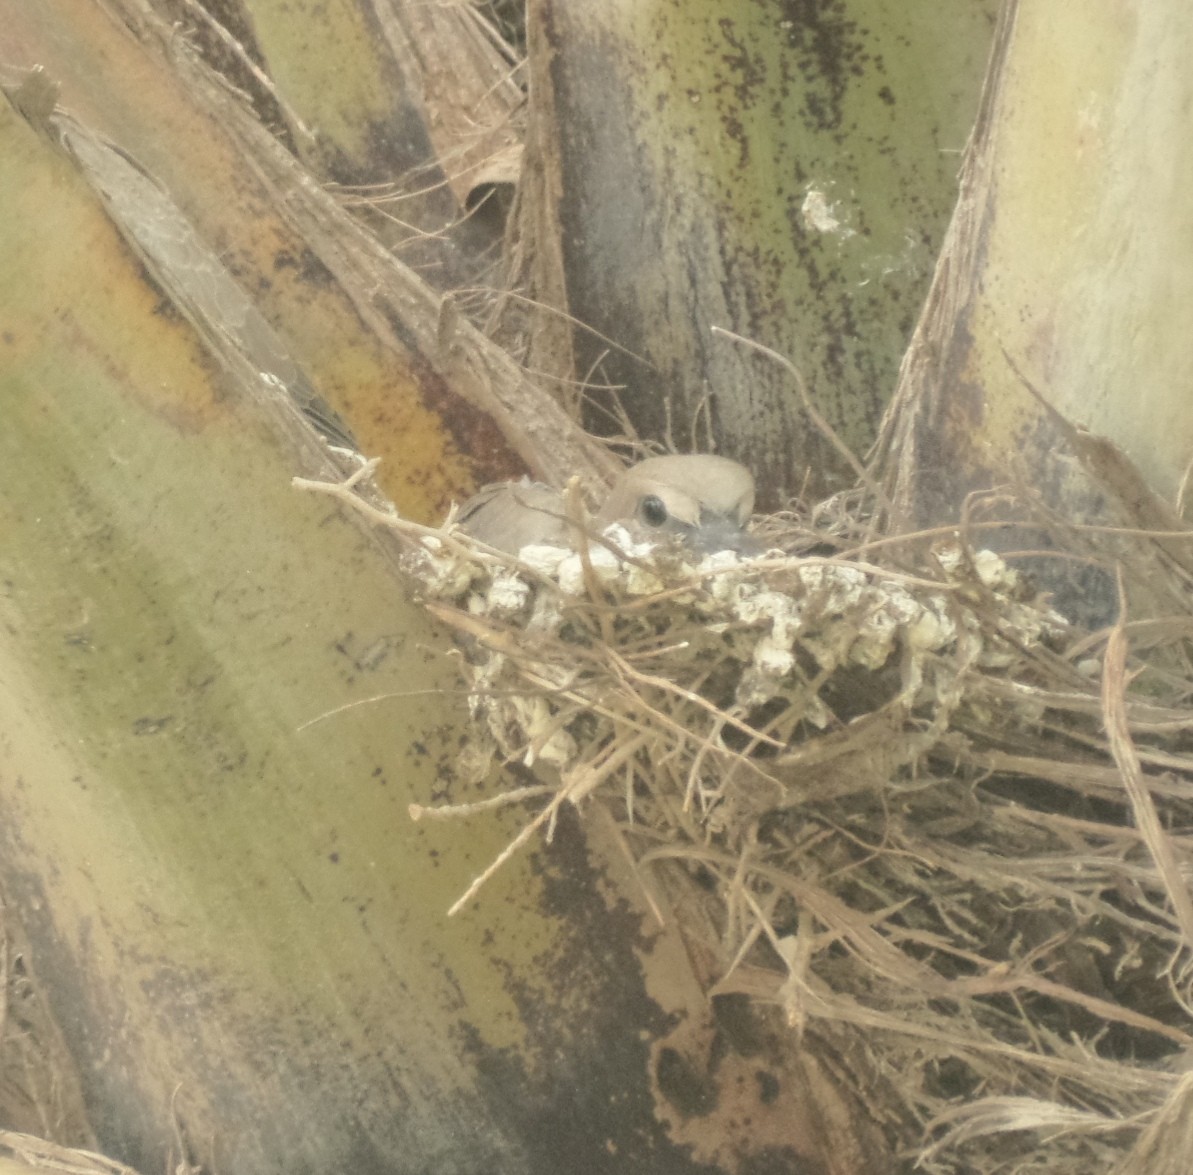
(652, 511)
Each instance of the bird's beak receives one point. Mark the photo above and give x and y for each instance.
(720, 532)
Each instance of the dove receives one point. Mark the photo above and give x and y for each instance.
(702, 499)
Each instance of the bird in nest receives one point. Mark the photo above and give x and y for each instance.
(701, 500)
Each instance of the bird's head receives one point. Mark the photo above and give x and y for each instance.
(702, 499)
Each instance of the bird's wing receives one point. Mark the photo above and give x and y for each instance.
(510, 515)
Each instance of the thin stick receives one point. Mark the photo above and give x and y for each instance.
(826, 430)
(1118, 732)
(452, 811)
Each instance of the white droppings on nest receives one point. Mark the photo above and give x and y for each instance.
(993, 572)
(932, 628)
(570, 575)
(753, 604)
(773, 655)
(442, 571)
(544, 559)
(756, 614)
(896, 616)
(722, 560)
(774, 660)
(841, 615)
(507, 595)
(546, 616)
(950, 555)
(839, 585)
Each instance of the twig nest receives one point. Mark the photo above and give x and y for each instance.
(919, 810)
(766, 630)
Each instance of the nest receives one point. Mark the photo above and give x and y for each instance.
(927, 809)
